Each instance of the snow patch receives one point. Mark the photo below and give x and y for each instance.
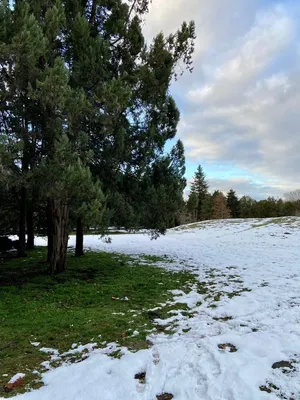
(14, 379)
(252, 276)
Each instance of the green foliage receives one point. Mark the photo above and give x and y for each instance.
(9, 185)
(199, 186)
(86, 100)
(66, 177)
(192, 203)
(164, 187)
(246, 204)
(207, 207)
(233, 203)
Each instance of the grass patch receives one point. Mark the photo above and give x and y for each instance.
(238, 292)
(77, 306)
(217, 297)
(154, 259)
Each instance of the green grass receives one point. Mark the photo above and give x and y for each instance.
(77, 306)
(154, 259)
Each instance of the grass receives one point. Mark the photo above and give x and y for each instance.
(77, 306)
(154, 259)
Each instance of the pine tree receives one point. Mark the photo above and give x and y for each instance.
(207, 207)
(22, 44)
(233, 203)
(192, 205)
(84, 92)
(162, 194)
(9, 201)
(200, 188)
(220, 209)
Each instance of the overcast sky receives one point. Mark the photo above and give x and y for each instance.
(240, 109)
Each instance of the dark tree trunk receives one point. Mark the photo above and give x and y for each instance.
(60, 225)
(79, 238)
(30, 227)
(22, 224)
(49, 231)
(93, 12)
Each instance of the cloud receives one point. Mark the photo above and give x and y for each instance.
(271, 33)
(246, 186)
(240, 107)
(243, 186)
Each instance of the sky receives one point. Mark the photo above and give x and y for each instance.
(240, 108)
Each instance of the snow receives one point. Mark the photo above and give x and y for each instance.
(252, 272)
(80, 348)
(16, 377)
(48, 350)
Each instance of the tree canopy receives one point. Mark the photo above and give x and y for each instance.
(85, 114)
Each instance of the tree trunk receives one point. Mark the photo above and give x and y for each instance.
(30, 227)
(22, 224)
(49, 231)
(60, 225)
(93, 12)
(79, 238)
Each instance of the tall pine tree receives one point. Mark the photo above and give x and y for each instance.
(233, 203)
(200, 188)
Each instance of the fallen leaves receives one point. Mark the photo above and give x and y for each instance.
(19, 382)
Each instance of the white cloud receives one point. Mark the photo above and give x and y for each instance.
(241, 105)
(271, 33)
(247, 186)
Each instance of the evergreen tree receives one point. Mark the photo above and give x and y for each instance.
(9, 201)
(22, 45)
(163, 185)
(200, 188)
(208, 207)
(220, 209)
(192, 205)
(233, 203)
(215, 193)
(80, 90)
(68, 186)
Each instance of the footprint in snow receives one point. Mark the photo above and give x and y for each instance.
(155, 356)
(141, 376)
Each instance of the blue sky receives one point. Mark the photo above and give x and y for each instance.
(240, 107)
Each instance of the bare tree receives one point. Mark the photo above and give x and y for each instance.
(292, 196)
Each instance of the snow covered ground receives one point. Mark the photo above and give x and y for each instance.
(247, 321)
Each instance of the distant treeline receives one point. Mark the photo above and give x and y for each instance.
(203, 205)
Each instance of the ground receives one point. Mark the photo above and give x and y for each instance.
(233, 331)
